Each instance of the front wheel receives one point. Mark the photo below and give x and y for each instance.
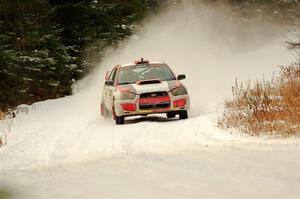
(120, 120)
(183, 115)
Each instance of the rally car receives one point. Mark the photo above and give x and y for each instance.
(143, 88)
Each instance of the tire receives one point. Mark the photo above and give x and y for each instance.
(171, 115)
(183, 115)
(120, 120)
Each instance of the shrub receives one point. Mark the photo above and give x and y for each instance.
(267, 106)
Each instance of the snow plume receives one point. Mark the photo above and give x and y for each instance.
(210, 46)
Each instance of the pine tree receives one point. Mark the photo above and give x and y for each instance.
(44, 43)
(35, 65)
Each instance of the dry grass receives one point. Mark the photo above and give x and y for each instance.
(271, 107)
(2, 115)
(7, 121)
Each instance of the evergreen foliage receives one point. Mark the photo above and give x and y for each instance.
(43, 42)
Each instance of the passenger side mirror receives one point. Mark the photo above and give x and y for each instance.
(181, 77)
(107, 75)
(109, 83)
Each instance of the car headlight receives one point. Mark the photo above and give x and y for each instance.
(127, 96)
(179, 91)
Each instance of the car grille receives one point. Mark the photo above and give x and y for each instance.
(154, 94)
(154, 100)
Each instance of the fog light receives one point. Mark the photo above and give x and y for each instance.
(179, 103)
(128, 107)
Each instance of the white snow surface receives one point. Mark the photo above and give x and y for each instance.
(54, 132)
(63, 149)
(238, 171)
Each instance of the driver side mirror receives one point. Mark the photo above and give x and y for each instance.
(109, 82)
(181, 77)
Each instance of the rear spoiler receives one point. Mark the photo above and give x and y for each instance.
(107, 73)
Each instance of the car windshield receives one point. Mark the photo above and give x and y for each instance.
(132, 74)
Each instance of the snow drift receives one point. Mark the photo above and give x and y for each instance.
(209, 46)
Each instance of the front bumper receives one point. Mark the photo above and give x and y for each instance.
(120, 112)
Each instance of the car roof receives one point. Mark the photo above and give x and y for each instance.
(134, 64)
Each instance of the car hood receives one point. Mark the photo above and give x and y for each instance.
(155, 87)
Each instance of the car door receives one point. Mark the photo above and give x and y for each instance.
(109, 89)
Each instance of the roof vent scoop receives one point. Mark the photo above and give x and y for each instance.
(150, 81)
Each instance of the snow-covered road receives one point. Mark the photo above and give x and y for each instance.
(235, 171)
(63, 149)
(84, 156)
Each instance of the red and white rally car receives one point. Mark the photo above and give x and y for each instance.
(143, 88)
